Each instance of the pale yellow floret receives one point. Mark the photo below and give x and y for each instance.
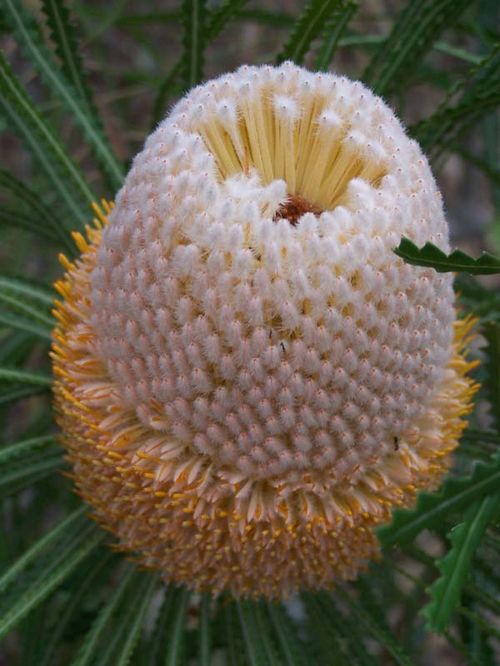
(311, 150)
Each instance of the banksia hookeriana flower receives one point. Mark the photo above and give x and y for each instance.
(248, 379)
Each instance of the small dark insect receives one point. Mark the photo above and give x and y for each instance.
(282, 346)
(396, 444)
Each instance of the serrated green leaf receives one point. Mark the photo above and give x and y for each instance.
(492, 382)
(193, 23)
(456, 494)
(416, 29)
(45, 146)
(25, 377)
(431, 256)
(54, 570)
(25, 29)
(63, 36)
(307, 27)
(335, 26)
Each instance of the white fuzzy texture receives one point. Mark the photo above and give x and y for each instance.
(273, 348)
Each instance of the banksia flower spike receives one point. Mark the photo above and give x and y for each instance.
(248, 379)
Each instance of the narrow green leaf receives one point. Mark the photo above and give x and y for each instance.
(483, 302)
(256, 646)
(457, 52)
(266, 636)
(25, 377)
(20, 323)
(204, 632)
(20, 219)
(40, 218)
(480, 94)
(73, 605)
(335, 26)
(154, 650)
(491, 171)
(31, 309)
(418, 26)
(15, 346)
(455, 565)
(16, 477)
(126, 627)
(306, 28)
(24, 448)
(374, 628)
(21, 305)
(484, 598)
(45, 146)
(90, 646)
(176, 629)
(292, 649)
(492, 383)
(431, 256)
(456, 494)
(59, 567)
(234, 638)
(488, 628)
(25, 29)
(14, 393)
(193, 23)
(333, 636)
(35, 292)
(77, 518)
(474, 636)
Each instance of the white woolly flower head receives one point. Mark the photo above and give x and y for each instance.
(249, 378)
(248, 272)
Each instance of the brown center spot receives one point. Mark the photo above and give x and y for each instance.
(293, 208)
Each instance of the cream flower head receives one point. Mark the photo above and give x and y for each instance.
(248, 378)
